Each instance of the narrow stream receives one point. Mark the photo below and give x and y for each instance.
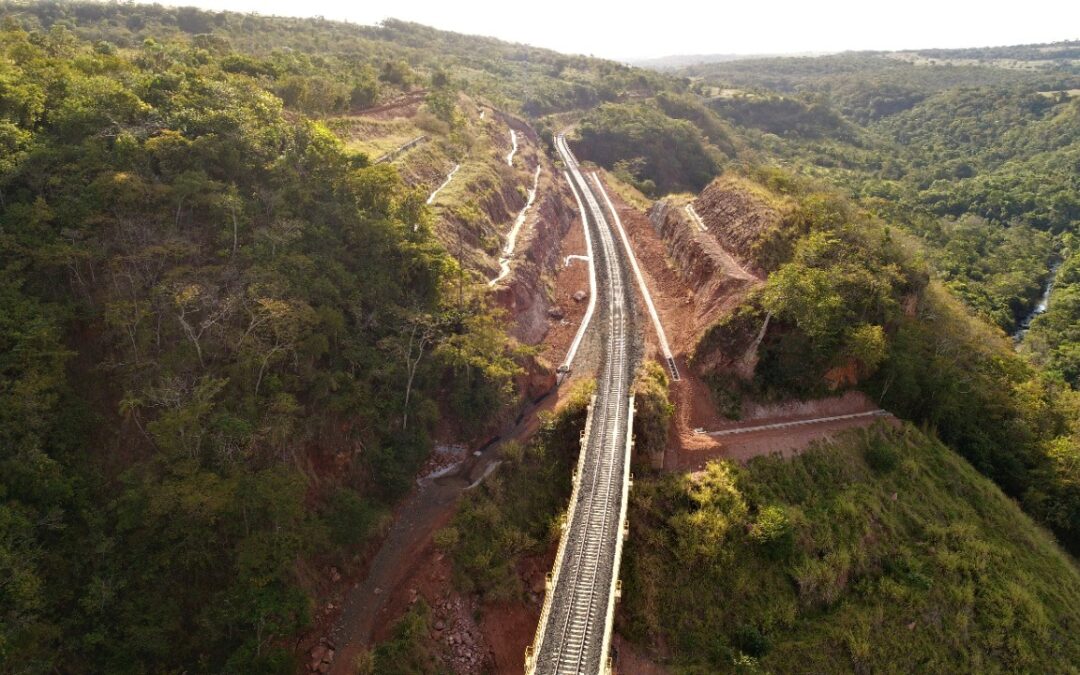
(1040, 306)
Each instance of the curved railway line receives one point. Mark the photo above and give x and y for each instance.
(574, 633)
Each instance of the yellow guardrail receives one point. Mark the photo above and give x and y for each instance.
(616, 583)
(549, 582)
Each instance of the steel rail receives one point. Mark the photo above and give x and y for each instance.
(642, 286)
(576, 622)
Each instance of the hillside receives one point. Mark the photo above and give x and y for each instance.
(325, 67)
(847, 304)
(282, 303)
(880, 552)
(970, 150)
(229, 338)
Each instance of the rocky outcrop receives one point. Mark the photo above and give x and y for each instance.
(321, 656)
(711, 273)
(460, 640)
(537, 379)
(742, 217)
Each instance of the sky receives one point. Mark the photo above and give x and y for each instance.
(627, 30)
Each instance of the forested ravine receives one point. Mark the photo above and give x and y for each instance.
(1040, 306)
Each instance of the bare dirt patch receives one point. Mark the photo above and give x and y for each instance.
(695, 279)
(408, 566)
(685, 310)
(630, 661)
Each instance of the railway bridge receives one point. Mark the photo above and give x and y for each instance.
(574, 632)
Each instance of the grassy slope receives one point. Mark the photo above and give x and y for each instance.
(811, 565)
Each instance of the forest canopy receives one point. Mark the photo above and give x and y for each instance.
(197, 287)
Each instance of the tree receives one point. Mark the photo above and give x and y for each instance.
(397, 73)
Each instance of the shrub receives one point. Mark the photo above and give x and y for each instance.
(409, 651)
(881, 455)
(773, 531)
(350, 518)
(751, 640)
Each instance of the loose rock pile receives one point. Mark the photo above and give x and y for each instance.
(321, 656)
(455, 630)
(443, 457)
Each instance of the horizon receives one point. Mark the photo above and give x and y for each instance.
(826, 28)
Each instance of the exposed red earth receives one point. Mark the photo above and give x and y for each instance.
(539, 296)
(693, 280)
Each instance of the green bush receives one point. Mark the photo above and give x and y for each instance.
(350, 518)
(930, 568)
(409, 651)
(772, 530)
(653, 410)
(668, 152)
(882, 456)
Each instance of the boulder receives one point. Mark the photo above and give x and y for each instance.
(317, 656)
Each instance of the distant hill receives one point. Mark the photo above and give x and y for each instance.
(682, 60)
(676, 61)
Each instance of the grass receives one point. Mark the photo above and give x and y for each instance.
(409, 652)
(626, 192)
(374, 137)
(884, 552)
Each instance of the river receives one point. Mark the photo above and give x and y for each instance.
(1040, 306)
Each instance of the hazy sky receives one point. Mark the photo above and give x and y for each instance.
(626, 30)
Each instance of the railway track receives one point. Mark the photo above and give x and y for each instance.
(575, 626)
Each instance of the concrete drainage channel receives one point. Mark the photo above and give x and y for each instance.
(564, 368)
(446, 182)
(511, 237)
(513, 148)
(792, 423)
(695, 217)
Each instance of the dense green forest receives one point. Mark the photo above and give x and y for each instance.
(226, 335)
(978, 158)
(1054, 337)
(205, 298)
(321, 67)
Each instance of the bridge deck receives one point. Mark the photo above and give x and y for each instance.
(575, 630)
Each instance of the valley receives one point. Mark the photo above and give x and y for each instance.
(342, 348)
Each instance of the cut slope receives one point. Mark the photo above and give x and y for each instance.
(712, 274)
(741, 215)
(884, 552)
